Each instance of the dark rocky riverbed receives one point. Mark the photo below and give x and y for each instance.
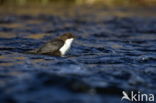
(112, 53)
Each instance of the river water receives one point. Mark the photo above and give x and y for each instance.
(115, 51)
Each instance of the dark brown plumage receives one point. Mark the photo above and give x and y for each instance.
(53, 47)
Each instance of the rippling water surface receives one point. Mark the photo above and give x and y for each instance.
(113, 52)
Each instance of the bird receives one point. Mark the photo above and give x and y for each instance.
(56, 47)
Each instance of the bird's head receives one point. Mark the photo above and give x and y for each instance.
(66, 36)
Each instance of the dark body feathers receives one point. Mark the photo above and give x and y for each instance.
(50, 48)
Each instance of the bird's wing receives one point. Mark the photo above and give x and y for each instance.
(51, 46)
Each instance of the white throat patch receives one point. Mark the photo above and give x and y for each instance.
(66, 46)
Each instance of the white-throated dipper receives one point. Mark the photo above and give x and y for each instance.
(56, 47)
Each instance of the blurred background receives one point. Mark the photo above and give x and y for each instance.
(114, 51)
(69, 8)
(78, 2)
(37, 6)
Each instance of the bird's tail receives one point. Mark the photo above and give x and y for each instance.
(32, 51)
